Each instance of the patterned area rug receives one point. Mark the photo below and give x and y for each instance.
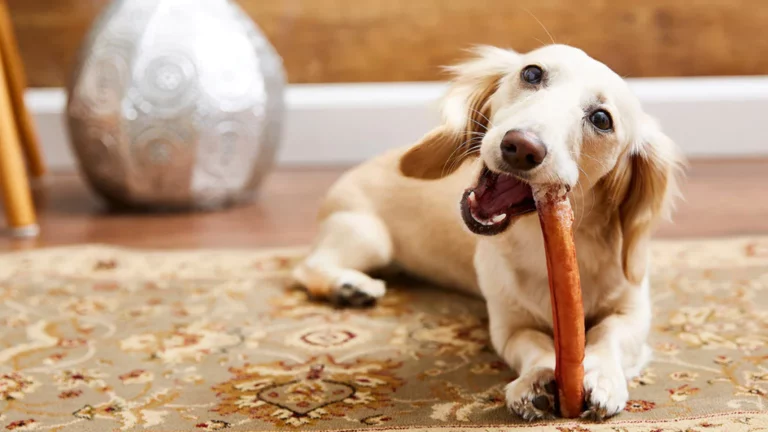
(100, 339)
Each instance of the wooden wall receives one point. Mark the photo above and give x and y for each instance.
(407, 40)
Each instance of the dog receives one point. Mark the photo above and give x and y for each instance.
(457, 209)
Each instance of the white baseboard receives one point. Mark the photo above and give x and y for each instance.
(337, 124)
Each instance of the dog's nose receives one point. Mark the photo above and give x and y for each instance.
(522, 150)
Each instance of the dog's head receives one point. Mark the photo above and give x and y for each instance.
(553, 116)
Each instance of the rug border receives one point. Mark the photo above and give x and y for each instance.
(549, 425)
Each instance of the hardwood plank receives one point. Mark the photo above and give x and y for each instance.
(723, 198)
(406, 40)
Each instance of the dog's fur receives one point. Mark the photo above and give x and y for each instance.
(402, 209)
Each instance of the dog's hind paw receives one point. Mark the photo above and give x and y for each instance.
(532, 396)
(357, 292)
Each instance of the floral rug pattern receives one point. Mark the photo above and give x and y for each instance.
(103, 339)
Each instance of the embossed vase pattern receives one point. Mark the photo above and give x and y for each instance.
(176, 104)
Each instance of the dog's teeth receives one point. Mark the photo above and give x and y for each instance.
(472, 200)
(498, 218)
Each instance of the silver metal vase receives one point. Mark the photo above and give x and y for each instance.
(176, 104)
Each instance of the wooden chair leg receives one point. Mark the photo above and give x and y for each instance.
(14, 184)
(16, 79)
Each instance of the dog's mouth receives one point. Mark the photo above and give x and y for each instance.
(489, 207)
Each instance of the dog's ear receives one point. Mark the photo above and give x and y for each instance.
(643, 186)
(433, 156)
(466, 112)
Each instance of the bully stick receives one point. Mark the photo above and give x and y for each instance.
(556, 217)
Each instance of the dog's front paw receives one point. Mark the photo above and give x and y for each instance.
(532, 396)
(606, 393)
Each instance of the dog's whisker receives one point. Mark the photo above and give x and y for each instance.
(452, 160)
(592, 190)
(592, 198)
(475, 138)
(580, 207)
(602, 165)
(577, 209)
(467, 153)
(472, 141)
(485, 128)
(483, 115)
(473, 133)
(456, 163)
(470, 150)
(541, 24)
(539, 41)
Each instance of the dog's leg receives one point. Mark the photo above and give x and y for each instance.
(616, 351)
(532, 354)
(515, 336)
(349, 245)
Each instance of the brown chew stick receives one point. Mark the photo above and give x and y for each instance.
(556, 217)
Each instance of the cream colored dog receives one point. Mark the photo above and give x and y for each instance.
(457, 209)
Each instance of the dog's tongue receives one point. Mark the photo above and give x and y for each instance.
(496, 193)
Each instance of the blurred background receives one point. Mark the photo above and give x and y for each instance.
(364, 75)
(339, 41)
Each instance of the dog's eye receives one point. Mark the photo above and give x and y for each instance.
(532, 74)
(602, 120)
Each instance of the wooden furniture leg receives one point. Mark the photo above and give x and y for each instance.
(16, 83)
(14, 184)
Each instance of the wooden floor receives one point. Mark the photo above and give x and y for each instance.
(723, 198)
